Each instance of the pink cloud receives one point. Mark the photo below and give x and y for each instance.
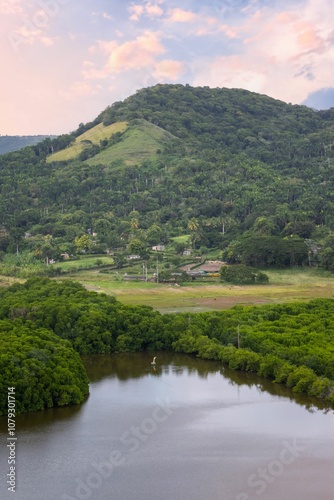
(11, 7)
(77, 90)
(136, 11)
(103, 46)
(24, 35)
(149, 9)
(48, 41)
(212, 26)
(91, 72)
(285, 54)
(168, 70)
(229, 31)
(182, 16)
(308, 38)
(286, 17)
(200, 25)
(134, 54)
(233, 71)
(154, 10)
(107, 16)
(27, 30)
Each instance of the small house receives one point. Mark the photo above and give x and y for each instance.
(158, 248)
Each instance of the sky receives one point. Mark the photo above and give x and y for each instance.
(64, 61)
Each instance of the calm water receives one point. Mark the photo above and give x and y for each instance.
(183, 430)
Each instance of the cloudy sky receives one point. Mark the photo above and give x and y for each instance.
(64, 61)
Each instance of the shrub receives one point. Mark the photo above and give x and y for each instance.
(320, 388)
(242, 275)
(270, 366)
(301, 378)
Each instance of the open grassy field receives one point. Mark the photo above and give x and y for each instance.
(6, 281)
(95, 135)
(139, 143)
(85, 262)
(285, 286)
(185, 238)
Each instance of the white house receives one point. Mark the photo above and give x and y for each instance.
(158, 248)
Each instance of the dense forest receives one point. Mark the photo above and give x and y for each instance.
(45, 325)
(238, 171)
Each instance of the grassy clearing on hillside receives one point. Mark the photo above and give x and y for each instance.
(285, 286)
(214, 254)
(84, 262)
(140, 143)
(185, 238)
(6, 281)
(94, 135)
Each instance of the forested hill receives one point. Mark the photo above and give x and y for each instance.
(9, 143)
(234, 169)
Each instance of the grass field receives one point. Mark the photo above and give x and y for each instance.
(285, 286)
(94, 135)
(289, 285)
(185, 238)
(69, 265)
(140, 143)
(6, 281)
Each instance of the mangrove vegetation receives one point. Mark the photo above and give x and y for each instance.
(45, 325)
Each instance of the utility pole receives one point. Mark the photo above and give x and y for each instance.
(145, 271)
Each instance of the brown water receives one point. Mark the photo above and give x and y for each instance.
(184, 430)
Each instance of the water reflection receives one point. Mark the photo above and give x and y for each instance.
(264, 385)
(127, 366)
(41, 420)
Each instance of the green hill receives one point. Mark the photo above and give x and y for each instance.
(238, 171)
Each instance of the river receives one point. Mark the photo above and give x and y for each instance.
(184, 429)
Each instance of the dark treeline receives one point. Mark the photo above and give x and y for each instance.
(45, 325)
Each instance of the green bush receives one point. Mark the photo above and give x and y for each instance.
(242, 275)
(245, 360)
(301, 378)
(320, 388)
(270, 366)
(283, 373)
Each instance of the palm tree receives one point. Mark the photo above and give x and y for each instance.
(194, 227)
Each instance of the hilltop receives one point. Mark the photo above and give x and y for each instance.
(240, 172)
